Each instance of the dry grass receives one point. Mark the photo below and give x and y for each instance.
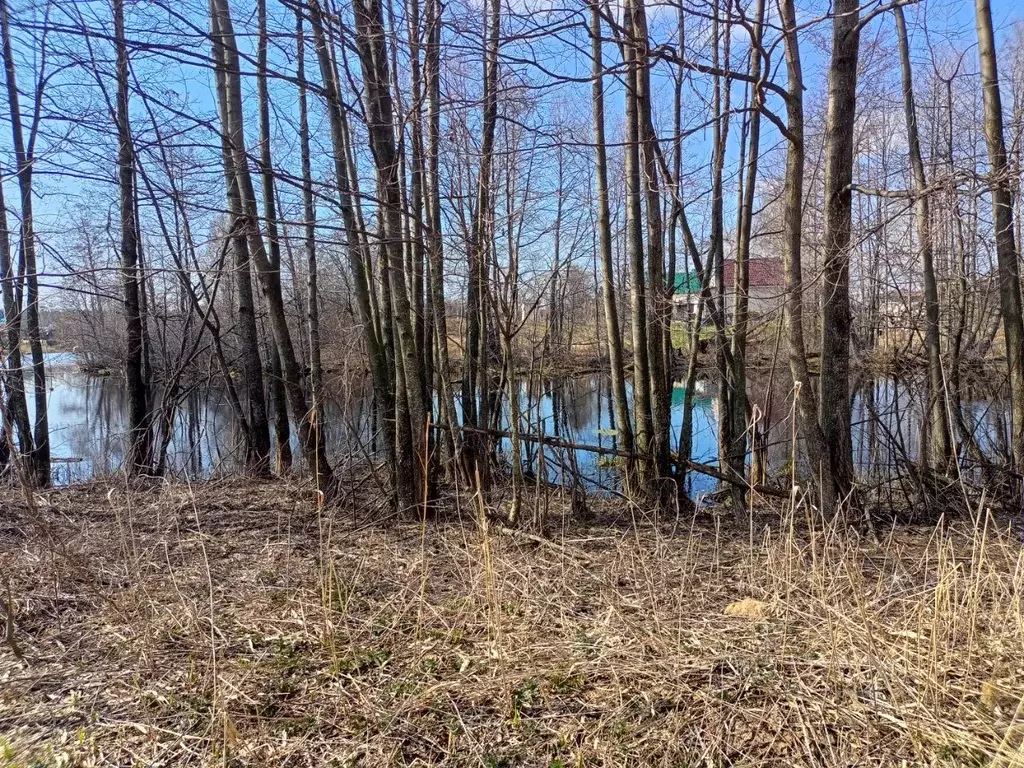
(231, 624)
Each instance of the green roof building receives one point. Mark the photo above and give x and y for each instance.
(686, 284)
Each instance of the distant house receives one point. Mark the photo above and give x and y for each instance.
(765, 292)
(685, 292)
(901, 309)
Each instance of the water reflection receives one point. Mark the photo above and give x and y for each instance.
(887, 428)
(87, 423)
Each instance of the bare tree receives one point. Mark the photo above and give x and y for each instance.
(24, 153)
(792, 237)
(256, 427)
(282, 429)
(15, 406)
(604, 224)
(938, 408)
(642, 407)
(835, 409)
(136, 386)
(270, 277)
(1002, 205)
(316, 368)
(411, 413)
(744, 231)
(356, 247)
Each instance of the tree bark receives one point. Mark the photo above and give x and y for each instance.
(418, 204)
(379, 116)
(642, 407)
(24, 157)
(282, 429)
(611, 313)
(476, 383)
(356, 247)
(659, 303)
(792, 234)
(1006, 249)
(16, 408)
(738, 400)
(316, 369)
(435, 243)
(721, 105)
(139, 450)
(942, 453)
(257, 426)
(835, 409)
(310, 440)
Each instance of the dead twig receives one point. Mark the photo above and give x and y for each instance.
(12, 642)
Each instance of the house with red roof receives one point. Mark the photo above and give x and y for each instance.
(765, 294)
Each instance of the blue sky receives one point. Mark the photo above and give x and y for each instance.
(63, 198)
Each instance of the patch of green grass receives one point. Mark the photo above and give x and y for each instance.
(681, 331)
(457, 638)
(524, 697)
(44, 757)
(402, 689)
(620, 729)
(363, 661)
(300, 725)
(564, 683)
(960, 755)
(502, 761)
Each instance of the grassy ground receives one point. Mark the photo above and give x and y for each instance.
(232, 624)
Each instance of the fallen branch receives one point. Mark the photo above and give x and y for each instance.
(702, 469)
(9, 631)
(540, 540)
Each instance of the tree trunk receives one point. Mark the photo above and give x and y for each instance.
(270, 277)
(16, 408)
(316, 369)
(738, 400)
(1006, 249)
(835, 410)
(792, 234)
(635, 245)
(942, 453)
(721, 101)
(476, 383)
(355, 243)
(418, 206)
(282, 429)
(435, 243)
(379, 115)
(138, 454)
(611, 313)
(24, 157)
(256, 427)
(659, 304)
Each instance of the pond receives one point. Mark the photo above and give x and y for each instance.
(87, 426)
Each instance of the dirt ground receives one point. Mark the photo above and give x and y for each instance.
(233, 623)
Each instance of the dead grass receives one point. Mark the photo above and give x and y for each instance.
(232, 624)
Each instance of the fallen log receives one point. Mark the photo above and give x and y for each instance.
(696, 466)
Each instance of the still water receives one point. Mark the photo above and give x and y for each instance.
(87, 426)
